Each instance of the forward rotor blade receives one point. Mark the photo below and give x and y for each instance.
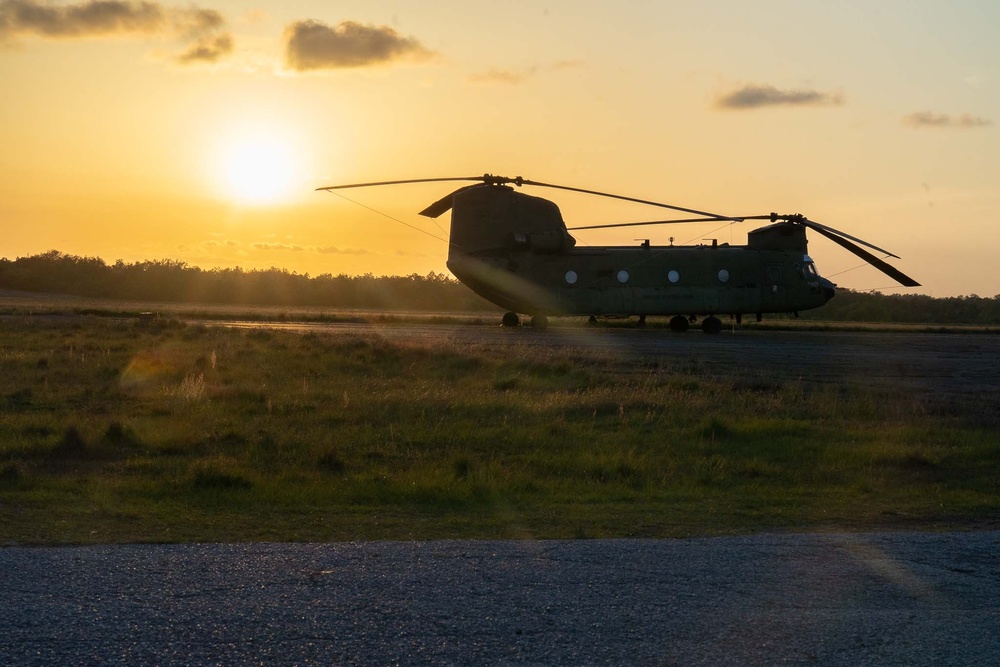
(652, 222)
(443, 205)
(879, 264)
(821, 228)
(409, 180)
(714, 216)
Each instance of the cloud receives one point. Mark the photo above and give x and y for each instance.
(756, 96)
(502, 76)
(333, 250)
(204, 28)
(207, 50)
(311, 45)
(567, 64)
(509, 77)
(87, 19)
(295, 247)
(197, 21)
(277, 246)
(256, 16)
(407, 253)
(928, 119)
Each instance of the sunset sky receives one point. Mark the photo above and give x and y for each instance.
(199, 131)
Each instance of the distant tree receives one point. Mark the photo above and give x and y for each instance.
(852, 306)
(175, 281)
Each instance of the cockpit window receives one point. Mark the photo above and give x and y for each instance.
(809, 267)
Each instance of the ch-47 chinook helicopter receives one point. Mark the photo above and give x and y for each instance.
(516, 251)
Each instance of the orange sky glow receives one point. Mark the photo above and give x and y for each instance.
(199, 131)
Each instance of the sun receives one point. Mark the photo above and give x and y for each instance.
(259, 170)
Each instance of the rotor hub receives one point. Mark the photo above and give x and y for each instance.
(490, 179)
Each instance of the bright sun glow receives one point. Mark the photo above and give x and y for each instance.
(259, 170)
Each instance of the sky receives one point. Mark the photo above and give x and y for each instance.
(199, 131)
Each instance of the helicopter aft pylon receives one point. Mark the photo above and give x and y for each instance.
(516, 251)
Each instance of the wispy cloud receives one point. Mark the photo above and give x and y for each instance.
(278, 246)
(496, 75)
(334, 250)
(220, 243)
(502, 76)
(756, 96)
(203, 29)
(408, 253)
(928, 119)
(568, 64)
(295, 247)
(207, 50)
(312, 45)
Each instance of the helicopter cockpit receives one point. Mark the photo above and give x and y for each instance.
(808, 268)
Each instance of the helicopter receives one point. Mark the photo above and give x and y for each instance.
(516, 251)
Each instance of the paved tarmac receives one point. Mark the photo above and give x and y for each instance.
(936, 363)
(887, 599)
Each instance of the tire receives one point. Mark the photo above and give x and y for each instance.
(711, 325)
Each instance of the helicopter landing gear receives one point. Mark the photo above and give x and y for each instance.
(678, 323)
(711, 325)
(510, 319)
(539, 322)
(642, 321)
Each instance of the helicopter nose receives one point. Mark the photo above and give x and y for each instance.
(829, 288)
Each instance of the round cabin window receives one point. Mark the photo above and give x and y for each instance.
(673, 276)
(571, 277)
(623, 276)
(723, 275)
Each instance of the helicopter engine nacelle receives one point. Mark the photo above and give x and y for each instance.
(492, 217)
(779, 236)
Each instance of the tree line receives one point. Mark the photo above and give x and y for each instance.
(175, 281)
(851, 306)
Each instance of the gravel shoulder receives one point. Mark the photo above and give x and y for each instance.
(832, 599)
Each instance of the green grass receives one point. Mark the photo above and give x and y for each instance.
(156, 431)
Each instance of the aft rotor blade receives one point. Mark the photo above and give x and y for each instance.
(443, 205)
(821, 228)
(409, 180)
(714, 216)
(879, 264)
(651, 222)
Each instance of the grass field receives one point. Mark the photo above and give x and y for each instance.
(159, 431)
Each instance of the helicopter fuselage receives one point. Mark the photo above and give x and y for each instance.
(514, 250)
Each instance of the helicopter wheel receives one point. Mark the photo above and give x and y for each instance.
(711, 325)
(510, 319)
(539, 322)
(678, 323)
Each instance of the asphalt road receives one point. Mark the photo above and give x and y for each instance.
(890, 599)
